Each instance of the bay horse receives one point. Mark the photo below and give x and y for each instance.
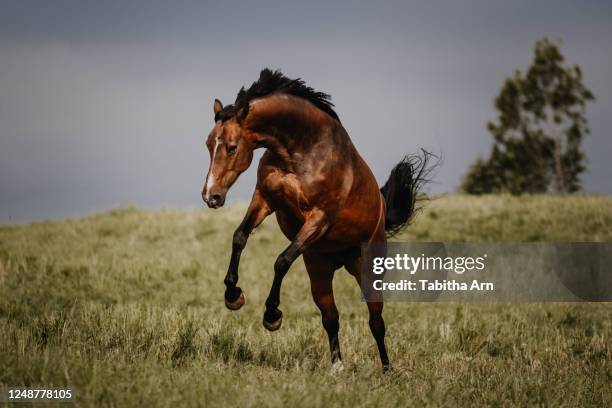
(325, 197)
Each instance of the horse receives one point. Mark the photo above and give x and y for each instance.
(326, 199)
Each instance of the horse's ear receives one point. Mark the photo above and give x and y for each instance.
(243, 113)
(218, 106)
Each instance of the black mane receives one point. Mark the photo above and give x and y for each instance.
(274, 82)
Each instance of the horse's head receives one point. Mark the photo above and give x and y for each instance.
(231, 153)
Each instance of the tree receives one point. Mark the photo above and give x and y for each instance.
(539, 128)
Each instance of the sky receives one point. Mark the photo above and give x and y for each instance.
(107, 103)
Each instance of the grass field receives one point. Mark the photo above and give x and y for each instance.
(127, 308)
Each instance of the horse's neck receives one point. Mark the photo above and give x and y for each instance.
(288, 126)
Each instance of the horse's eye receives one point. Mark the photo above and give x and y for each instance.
(232, 149)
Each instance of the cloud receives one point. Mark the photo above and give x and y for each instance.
(119, 117)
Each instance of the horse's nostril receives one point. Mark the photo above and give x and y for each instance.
(215, 198)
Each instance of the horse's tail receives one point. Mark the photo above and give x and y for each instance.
(401, 191)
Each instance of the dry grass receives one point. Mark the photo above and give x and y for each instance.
(126, 307)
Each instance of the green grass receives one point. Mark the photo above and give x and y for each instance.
(127, 308)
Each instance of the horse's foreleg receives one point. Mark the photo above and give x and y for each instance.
(313, 228)
(321, 274)
(258, 210)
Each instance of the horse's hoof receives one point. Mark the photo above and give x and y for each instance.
(337, 367)
(236, 304)
(275, 325)
(387, 369)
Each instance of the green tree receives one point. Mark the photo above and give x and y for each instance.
(539, 128)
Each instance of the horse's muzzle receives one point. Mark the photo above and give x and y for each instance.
(213, 200)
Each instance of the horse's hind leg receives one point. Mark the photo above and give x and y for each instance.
(321, 273)
(377, 324)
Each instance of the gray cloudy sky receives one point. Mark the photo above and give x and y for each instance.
(106, 103)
